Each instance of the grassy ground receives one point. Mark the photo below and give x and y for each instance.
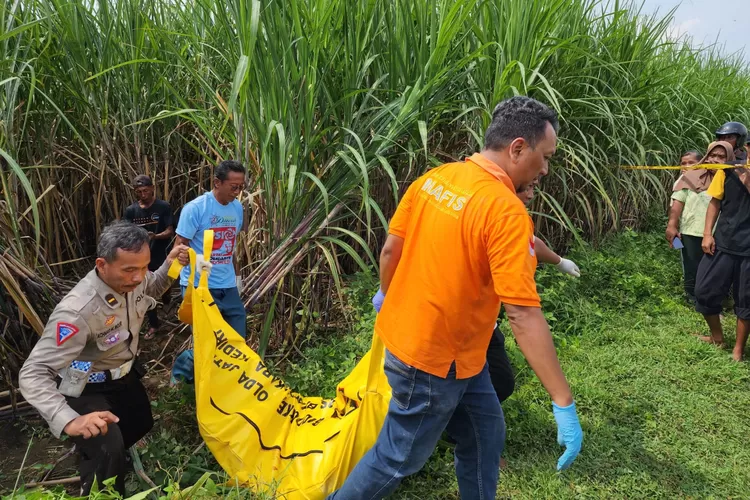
(663, 414)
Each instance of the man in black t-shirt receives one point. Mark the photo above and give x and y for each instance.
(726, 263)
(155, 216)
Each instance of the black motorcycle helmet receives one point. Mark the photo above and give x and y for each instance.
(734, 128)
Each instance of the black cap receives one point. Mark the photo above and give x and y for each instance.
(142, 181)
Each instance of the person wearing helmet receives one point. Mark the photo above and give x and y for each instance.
(726, 244)
(735, 133)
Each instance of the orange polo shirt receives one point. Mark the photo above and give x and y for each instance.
(468, 247)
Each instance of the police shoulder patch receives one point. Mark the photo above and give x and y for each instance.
(65, 331)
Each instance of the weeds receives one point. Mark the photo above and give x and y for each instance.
(663, 414)
(334, 106)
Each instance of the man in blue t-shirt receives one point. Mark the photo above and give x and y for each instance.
(219, 210)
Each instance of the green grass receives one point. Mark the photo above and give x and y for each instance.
(664, 415)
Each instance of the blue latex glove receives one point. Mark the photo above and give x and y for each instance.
(377, 300)
(183, 369)
(569, 433)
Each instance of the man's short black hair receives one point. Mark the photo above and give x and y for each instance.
(226, 166)
(516, 117)
(121, 235)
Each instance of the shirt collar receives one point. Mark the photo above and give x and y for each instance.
(108, 295)
(493, 169)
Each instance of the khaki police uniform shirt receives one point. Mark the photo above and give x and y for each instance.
(92, 323)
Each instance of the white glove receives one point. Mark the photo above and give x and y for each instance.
(238, 281)
(569, 267)
(203, 266)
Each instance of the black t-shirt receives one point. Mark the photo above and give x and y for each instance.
(733, 228)
(155, 219)
(740, 155)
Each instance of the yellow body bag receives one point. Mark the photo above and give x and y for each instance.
(262, 433)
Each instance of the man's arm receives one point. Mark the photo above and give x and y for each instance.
(166, 234)
(511, 258)
(545, 253)
(712, 215)
(743, 174)
(535, 341)
(513, 267)
(389, 259)
(716, 192)
(63, 339)
(158, 282)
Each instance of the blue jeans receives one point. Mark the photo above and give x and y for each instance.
(232, 310)
(421, 407)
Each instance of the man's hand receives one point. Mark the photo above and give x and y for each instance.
(377, 300)
(671, 233)
(569, 267)
(569, 433)
(179, 252)
(744, 175)
(708, 244)
(90, 425)
(151, 236)
(204, 266)
(535, 341)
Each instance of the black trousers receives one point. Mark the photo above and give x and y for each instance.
(104, 456)
(153, 317)
(692, 253)
(718, 273)
(501, 373)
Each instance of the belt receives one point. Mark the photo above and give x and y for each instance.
(106, 375)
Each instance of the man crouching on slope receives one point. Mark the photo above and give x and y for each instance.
(82, 375)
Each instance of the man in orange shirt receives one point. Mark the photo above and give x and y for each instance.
(461, 244)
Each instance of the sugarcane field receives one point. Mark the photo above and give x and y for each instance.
(329, 250)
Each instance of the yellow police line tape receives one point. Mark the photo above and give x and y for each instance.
(692, 167)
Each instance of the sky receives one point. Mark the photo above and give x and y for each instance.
(709, 21)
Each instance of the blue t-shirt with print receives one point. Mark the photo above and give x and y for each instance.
(205, 212)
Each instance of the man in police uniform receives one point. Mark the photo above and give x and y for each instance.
(82, 375)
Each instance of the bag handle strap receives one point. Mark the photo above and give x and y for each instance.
(375, 368)
(176, 268)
